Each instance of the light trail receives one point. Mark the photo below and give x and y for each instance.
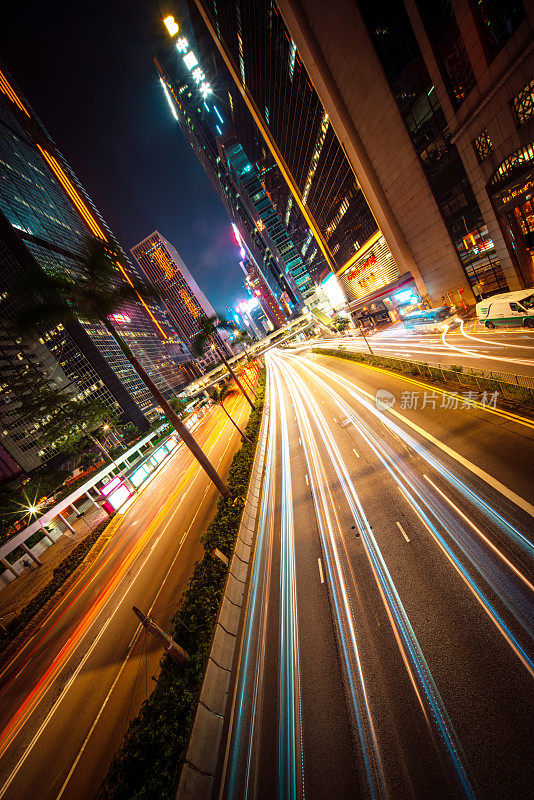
(418, 670)
(475, 354)
(494, 344)
(364, 398)
(244, 741)
(24, 712)
(514, 601)
(291, 768)
(343, 615)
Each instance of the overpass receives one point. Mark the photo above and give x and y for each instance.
(254, 350)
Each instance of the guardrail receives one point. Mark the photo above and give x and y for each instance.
(511, 387)
(63, 513)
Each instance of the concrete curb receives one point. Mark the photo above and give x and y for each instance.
(197, 779)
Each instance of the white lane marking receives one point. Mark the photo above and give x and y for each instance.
(131, 646)
(320, 570)
(356, 453)
(300, 442)
(335, 420)
(307, 481)
(402, 531)
(480, 473)
(76, 672)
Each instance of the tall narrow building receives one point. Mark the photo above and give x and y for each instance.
(205, 112)
(46, 222)
(185, 302)
(435, 119)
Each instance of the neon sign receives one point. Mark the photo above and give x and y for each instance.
(353, 274)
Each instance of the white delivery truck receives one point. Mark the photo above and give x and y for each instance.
(511, 308)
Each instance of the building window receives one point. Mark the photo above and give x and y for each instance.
(449, 48)
(497, 21)
(523, 103)
(483, 146)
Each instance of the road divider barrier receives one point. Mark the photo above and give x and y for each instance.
(513, 388)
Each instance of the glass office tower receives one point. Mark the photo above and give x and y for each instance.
(46, 222)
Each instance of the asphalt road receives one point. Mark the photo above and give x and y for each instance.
(387, 649)
(68, 695)
(510, 351)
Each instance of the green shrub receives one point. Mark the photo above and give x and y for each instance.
(148, 764)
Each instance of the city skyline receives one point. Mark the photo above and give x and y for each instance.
(131, 157)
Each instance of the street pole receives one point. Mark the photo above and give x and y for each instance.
(177, 653)
(108, 455)
(365, 340)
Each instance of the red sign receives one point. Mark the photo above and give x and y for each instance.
(361, 267)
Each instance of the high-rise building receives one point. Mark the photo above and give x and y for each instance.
(46, 222)
(360, 106)
(258, 288)
(206, 114)
(436, 118)
(185, 302)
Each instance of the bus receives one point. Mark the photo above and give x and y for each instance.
(431, 320)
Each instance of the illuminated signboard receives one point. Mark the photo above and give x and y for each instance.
(139, 476)
(353, 274)
(108, 488)
(372, 271)
(118, 497)
(191, 62)
(171, 25)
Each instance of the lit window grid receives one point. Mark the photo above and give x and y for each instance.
(523, 103)
(483, 145)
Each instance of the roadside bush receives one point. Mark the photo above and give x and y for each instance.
(148, 764)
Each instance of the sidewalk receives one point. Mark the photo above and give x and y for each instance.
(18, 593)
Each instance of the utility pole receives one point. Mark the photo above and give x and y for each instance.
(177, 653)
(365, 340)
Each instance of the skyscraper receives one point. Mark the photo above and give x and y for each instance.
(46, 221)
(206, 113)
(366, 143)
(182, 297)
(435, 118)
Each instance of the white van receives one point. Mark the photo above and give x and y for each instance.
(511, 308)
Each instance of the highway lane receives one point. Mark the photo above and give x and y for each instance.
(509, 352)
(422, 561)
(66, 699)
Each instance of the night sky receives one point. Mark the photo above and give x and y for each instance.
(87, 71)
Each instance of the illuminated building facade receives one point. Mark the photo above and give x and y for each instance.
(380, 147)
(204, 109)
(257, 286)
(46, 221)
(435, 116)
(185, 302)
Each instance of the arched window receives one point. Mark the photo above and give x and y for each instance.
(513, 166)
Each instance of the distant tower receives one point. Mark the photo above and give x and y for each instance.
(181, 295)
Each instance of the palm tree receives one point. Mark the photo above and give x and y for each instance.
(219, 396)
(206, 336)
(243, 337)
(95, 294)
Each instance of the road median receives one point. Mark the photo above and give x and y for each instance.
(205, 625)
(514, 389)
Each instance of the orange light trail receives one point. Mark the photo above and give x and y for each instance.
(21, 716)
